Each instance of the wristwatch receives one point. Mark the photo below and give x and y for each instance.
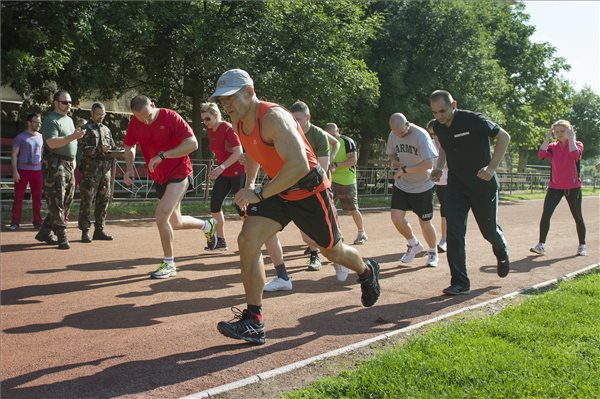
(259, 193)
(161, 155)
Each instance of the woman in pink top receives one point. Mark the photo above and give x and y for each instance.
(565, 155)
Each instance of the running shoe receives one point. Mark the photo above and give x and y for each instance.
(315, 263)
(411, 252)
(442, 246)
(456, 290)
(361, 238)
(538, 249)
(211, 234)
(221, 245)
(581, 250)
(243, 327)
(341, 272)
(307, 251)
(278, 284)
(432, 259)
(370, 286)
(164, 271)
(13, 227)
(503, 267)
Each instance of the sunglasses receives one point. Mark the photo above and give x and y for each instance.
(206, 119)
(65, 102)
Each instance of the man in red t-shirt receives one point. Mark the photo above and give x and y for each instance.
(166, 140)
(296, 191)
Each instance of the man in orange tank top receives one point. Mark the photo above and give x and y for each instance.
(296, 192)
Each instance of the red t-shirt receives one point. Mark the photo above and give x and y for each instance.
(222, 142)
(165, 133)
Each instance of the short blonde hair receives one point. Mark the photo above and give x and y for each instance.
(211, 108)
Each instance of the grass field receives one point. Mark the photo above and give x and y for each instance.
(125, 210)
(548, 346)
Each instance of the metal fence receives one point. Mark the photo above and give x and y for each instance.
(371, 181)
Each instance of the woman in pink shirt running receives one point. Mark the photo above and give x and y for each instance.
(565, 155)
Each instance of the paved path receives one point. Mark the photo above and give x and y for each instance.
(89, 323)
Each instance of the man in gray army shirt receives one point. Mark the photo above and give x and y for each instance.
(96, 167)
(58, 163)
(411, 153)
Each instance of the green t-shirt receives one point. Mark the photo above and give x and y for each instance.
(344, 175)
(57, 125)
(318, 141)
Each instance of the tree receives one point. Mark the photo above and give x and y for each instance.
(585, 117)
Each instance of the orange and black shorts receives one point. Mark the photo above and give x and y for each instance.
(314, 215)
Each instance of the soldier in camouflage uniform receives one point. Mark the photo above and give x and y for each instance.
(96, 165)
(60, 147)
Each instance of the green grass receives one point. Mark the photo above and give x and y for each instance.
(526, 195)
(546, 347)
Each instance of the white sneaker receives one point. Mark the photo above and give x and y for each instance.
(541, 250)
(411, 252)
(278, 284)
(581, 250)
(432, 259)
(341, 272)
(442, 246)
(361, 238)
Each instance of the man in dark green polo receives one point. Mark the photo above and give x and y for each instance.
(58, 162)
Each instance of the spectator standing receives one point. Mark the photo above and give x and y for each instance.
(58, 164)
(96, 168)
(565, 155)
(26, 162)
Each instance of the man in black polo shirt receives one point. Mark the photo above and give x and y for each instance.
(465, 145)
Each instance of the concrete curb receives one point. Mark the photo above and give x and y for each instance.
(212, 392)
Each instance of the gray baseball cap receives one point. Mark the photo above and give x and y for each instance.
(231, 82)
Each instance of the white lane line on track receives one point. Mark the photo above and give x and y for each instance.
(212, 392)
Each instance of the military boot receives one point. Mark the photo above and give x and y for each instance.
(99, 234)
(63, 242)
(85, 235)
(45, 235)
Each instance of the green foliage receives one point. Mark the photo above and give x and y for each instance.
(549, 346)
(585, 116)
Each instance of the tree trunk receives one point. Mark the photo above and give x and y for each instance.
(197, 125)
(366, 141)
(523, 155)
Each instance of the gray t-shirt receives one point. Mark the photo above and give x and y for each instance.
(410, 151)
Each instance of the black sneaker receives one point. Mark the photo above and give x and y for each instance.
(370, 286)
(503, 267)
(220, 246)
(243, 327)
(456, 290)
(307, 251)
(13, 227)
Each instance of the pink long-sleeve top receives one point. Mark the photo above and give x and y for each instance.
(564, 174)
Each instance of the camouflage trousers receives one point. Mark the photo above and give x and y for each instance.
(59, 189)
(94, 189)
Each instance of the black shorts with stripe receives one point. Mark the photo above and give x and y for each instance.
(314, 215)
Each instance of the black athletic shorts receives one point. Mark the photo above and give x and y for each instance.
(161, 188)
(314, 215)
(420, 203)
(440, 192)
(224, 185)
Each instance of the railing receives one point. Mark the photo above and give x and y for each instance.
(371, 181)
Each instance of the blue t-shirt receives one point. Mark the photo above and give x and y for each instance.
(30, 150)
